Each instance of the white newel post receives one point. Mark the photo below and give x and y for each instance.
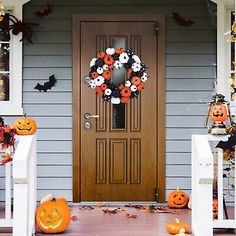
(24, 179)
(202, 179)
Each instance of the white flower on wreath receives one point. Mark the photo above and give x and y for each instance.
(105, 67)
(144, 77)
(115, 100)
(99, 81)
(133, 88)
(99, 70)
(136, 58)
(107, 92)
(117, 64)
(92, 62)
(124, 58)
(92, 84)
(110, 51)
(136, 67)
(127, 83)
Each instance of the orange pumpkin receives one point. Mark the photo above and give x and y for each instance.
(177, 199)
(218, 113)
(53, 216)
(215, 208)
(174, 227)
(25, 126)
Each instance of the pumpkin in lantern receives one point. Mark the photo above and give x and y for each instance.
(175, 227)
(25, 126)
(218, 113)
(177, 199)
(215, 208)
(53, 216)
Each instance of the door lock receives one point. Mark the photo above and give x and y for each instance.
(87, 116)
(87, 125)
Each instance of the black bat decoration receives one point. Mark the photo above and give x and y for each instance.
(45, 12)
(182, 21)
(227, 145)
(48, 85)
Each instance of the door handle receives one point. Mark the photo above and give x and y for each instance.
(87, 116)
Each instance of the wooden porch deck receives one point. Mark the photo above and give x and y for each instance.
(97, 223)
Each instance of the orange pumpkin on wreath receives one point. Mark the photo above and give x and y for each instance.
(101, 75)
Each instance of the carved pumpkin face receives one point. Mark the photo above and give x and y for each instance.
(218, 113)
(53, 216)
(25, 126)
(215, 208)
(177, 199)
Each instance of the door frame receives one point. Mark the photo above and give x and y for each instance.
(161, 118)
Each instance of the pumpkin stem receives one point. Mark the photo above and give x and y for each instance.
(24, 115)
(178, 189)
(177, 221)
(54, 200)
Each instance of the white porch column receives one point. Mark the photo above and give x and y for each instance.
(223, 47)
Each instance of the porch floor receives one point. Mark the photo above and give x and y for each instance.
(97, 223)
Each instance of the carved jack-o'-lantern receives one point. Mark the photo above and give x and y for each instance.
(177, 199)
(215, 208)
(25, 126)
(53, 216)
(219, 113)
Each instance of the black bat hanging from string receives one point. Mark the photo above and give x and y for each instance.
(47, 85)
(45, 12)
(182, 21)
(227, 145)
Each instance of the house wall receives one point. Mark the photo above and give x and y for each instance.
(190, 53)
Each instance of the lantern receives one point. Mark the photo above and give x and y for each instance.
(219, 112)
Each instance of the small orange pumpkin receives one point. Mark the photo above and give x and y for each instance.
(25, 125)
(175, 227)
(215, 208)
(53, 216)
(218, 113)
(177, 199)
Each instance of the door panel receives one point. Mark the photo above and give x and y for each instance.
(119, 154)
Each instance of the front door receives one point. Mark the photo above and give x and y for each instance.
(121, 156)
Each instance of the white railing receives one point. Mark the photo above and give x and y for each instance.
(24, 188)
(202, 186)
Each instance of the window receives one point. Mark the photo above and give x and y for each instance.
(10, 66)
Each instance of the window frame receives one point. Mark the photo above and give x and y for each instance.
(15, 104)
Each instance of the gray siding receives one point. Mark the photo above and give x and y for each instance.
(189, 78)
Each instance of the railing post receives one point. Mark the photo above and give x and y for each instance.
(32, 180)
(24, 179)
(202, 178)
(8, 191)
(20, 213)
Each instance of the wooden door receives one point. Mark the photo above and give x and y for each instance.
(121, 157)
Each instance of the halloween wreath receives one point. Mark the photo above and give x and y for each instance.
(100, 76)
